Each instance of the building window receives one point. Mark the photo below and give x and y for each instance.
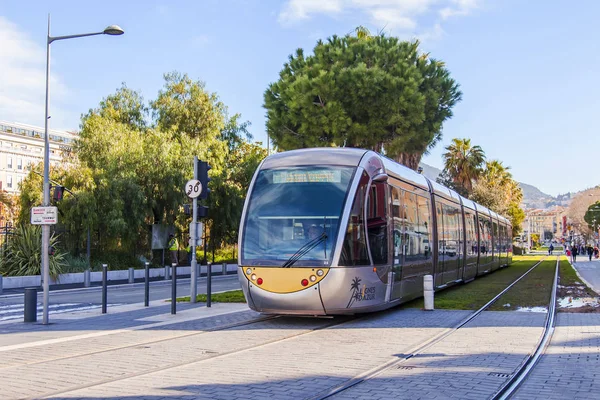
(9, 181)
(9, 162)
(19, 163)
(19, 180)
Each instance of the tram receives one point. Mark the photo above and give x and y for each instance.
(328, 231)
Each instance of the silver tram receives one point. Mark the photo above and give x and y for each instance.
(329, 231)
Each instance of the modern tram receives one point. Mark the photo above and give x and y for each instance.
(328, 231)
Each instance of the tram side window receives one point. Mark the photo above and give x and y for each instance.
(354, 251)
(412, 236)
(471, 234)
(451, 230)
(377, 223)
(398, 216)
(496, 238)
(424, 227)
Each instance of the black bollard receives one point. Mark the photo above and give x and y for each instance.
(174, 289)
(104, 288)
(30, 305)
(147, 286)
(208, 283)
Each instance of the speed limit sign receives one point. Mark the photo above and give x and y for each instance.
(193, 188)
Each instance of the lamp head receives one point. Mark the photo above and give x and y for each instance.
(113, 30)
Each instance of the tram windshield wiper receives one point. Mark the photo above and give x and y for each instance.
(302, 251)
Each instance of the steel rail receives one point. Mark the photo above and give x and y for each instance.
(372, 373)
(511, 386)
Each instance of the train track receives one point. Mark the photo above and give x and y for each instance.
(507, 389)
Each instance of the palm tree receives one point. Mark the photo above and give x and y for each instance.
(463, 162)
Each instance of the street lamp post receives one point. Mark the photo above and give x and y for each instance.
(110, 30)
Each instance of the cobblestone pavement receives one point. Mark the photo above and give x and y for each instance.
(570, 366)
(179, 359)
(472, 363)
(148, 353)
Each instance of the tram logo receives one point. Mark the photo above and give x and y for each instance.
(358, 293)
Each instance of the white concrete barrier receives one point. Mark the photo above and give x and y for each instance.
(14, 282)
(428, 292)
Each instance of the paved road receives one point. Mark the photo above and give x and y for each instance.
(590, 271)
(61, 301)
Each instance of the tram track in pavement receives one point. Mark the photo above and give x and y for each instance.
(510, 385)
(206, 356)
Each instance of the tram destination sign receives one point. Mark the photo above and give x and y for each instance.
(313, 175)
(44, 215)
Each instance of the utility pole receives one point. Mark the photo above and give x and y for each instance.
(194, 240)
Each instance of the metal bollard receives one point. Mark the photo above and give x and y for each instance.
(166, 272)
(147, 285)
(208, 282)
(131, 275)
(0, 284)
(86, 278)
(174, 290)
(428, 292)
(224, 272)
(30, 305)
(104, 288)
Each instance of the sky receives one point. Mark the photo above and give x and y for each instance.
(528, 70)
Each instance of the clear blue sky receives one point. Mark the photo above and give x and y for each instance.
(528, 69)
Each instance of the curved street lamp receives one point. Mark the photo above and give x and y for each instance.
(110, 30)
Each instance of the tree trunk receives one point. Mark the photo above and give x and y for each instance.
(411, 160)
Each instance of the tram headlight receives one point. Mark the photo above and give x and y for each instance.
(312, 278)
(320, 272)
(253, 277)
(304, 282)
(248, 271)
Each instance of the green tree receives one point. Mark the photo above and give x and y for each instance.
(592, 216)
(498, 191)
(463, 163)
(184, 106)
(364, 91)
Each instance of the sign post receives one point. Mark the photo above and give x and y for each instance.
(193, 189)
(45, 216)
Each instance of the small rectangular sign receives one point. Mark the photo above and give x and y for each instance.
(44, 215)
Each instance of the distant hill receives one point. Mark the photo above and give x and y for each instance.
(532, 196)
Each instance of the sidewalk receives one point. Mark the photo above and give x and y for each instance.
(589, 271)
(82, 324)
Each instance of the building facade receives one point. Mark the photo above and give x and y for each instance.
(548, 223)
(22, 146)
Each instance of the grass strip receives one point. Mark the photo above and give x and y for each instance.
(532, 291)
(233, 296)
(475, 294)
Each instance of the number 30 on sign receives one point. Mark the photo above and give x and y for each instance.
(193, 188)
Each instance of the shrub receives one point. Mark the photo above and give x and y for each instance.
(23, 256)
(74, 264)
(116, 260)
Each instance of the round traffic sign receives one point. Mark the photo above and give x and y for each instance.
(193, 188)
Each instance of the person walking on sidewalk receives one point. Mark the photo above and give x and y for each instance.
(590, 251)
(550, 249)
(574, 252)
(173, 249)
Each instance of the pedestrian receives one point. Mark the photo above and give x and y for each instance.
(590, 251)
(550, 249)
(574, 252)
(595, 251)
(173, 249)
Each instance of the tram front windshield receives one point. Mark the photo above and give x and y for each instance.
(294, 214)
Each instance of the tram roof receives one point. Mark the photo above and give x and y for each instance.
(470, 204)
(443, 191)
(318, 155)
(404, 173)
